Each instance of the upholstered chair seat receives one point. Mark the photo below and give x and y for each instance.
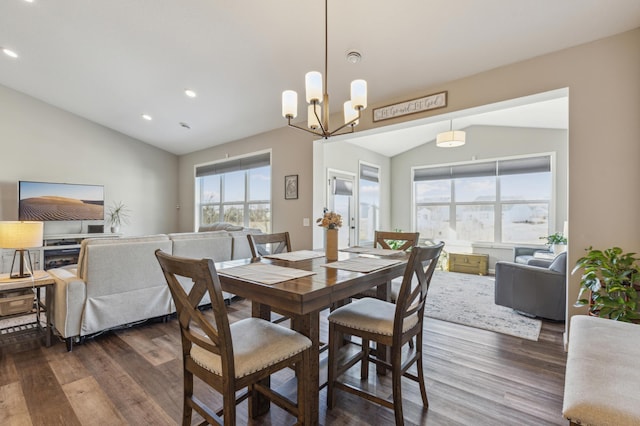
(371, 315)
(257, 344)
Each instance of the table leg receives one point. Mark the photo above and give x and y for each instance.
(309, 325)
(383, 352)
(50, 306)
(259, 404)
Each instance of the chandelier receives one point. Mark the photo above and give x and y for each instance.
(318, 100)
(452, 138)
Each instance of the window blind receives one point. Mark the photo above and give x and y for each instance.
(244, 163)
(370, 173)
(524, 165)
(488, 168)
(342, 187)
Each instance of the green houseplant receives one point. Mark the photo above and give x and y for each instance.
(610, 280)
(557, 242)
(117, 215)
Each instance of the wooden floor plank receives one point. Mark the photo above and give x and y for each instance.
(8, 372)
(13, 406)
(146, 347)
(43, 393)
(65, 365)
(134, 376)
(90, 403)
(133, 402)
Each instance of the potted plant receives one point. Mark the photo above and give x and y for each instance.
(610, 279)
(557, 242)
(117, 215)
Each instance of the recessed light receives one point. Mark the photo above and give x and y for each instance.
(190, 93)
(10, 53)
(147, 117)
(29, 1)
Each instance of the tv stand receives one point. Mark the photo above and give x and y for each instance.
(57, 250)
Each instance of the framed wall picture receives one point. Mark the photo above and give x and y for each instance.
(291, 187)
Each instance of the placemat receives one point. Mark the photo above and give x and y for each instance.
(264, 273)
(295, 256)
(362, 264)
(371, 250)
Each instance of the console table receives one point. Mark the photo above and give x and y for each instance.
(40, 280)
(57, 250)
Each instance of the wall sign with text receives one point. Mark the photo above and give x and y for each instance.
(426, 103)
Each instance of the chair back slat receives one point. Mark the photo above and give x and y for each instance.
(195, 327)
(265, 244)
(407, 240)
(413, 295)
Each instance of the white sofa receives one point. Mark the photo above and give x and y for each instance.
(118, 281)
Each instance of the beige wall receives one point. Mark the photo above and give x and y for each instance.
(603, 78)
(291, 154)
(43, 143)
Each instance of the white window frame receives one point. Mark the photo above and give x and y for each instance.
(377, 225)
(246, 202)
(498, 203)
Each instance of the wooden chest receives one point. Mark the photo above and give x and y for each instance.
(469, 263)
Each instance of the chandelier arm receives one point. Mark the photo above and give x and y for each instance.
(305, 129)
(324, 131)
(333, 133)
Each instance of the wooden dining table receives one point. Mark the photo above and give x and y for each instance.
(304, 298)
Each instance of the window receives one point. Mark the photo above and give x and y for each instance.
(369, 202)
(236, 191)
(494, 201)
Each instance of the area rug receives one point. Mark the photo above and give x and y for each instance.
(468, 300)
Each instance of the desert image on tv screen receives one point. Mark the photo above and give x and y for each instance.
(42, 201)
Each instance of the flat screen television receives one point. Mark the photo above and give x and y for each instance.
(45, 201)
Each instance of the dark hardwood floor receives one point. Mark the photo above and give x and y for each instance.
(133, 377)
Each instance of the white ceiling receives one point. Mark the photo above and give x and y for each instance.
(112, 60)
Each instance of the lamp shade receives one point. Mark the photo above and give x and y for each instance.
(451, 138)
(350, 114)
(359, 94)
(21, 235)
(289, 104)
(313, 85)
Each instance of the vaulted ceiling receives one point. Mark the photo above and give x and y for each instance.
(112, 61)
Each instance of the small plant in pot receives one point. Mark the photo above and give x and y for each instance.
(117, 215)
(610, 279)
(557, 242)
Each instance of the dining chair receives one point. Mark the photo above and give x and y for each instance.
(392, 325)
(265, 244)
(396, 241)
(392, 241)
(230, 357)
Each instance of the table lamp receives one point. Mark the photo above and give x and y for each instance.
(21, 236)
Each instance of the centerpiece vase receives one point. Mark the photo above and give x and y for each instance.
(331, 244)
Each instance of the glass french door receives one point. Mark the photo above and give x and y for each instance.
(342, 201)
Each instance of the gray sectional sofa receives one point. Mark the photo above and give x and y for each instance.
(118, 281)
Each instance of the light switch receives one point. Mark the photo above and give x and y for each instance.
(305, 221)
